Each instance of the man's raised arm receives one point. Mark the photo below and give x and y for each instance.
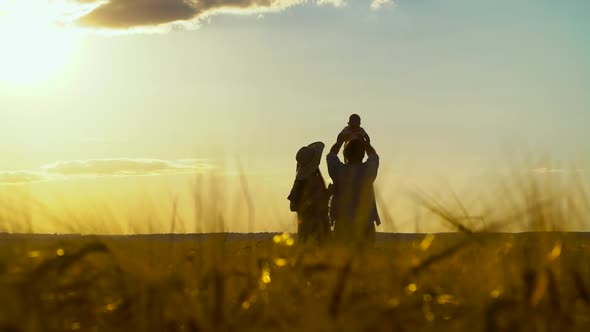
(369, 148)
(372, 161)
(332, 159)
(338, 145)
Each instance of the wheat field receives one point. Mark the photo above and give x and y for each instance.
(413, 282)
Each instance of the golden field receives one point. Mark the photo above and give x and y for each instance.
(407, 282)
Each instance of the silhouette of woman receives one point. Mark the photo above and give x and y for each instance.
(309, 196)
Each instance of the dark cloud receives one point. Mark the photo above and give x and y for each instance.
(123, 14)
(20, 177)
(90, 1)
(131, 13)
(123, 166)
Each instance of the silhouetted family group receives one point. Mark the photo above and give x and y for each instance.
(348, 205)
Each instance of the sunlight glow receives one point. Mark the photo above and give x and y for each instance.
(35, 41)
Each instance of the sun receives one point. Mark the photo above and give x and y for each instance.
(33, 48)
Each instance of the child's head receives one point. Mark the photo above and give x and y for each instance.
(354, 121)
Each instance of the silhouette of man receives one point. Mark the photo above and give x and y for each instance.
(353, 210)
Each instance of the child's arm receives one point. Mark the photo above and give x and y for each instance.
(345, 132)
(365, 135)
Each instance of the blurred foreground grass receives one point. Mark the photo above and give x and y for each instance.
(443, 282)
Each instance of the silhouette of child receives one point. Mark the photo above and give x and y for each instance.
(354, 130)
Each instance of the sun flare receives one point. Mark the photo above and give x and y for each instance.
(33, 46)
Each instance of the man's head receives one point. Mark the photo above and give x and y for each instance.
(354, 152)
(354, 121)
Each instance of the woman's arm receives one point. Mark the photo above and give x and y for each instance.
(295, 196)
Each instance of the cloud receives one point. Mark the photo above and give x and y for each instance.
(124, 166)
(378, 4)
(20, 177)
(124, 14)
(546, 170)
(151, 15)
(130, 13)
(335, 3)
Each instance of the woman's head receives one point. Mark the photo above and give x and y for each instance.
(308, 159)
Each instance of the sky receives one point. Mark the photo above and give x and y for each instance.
(129, 97)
